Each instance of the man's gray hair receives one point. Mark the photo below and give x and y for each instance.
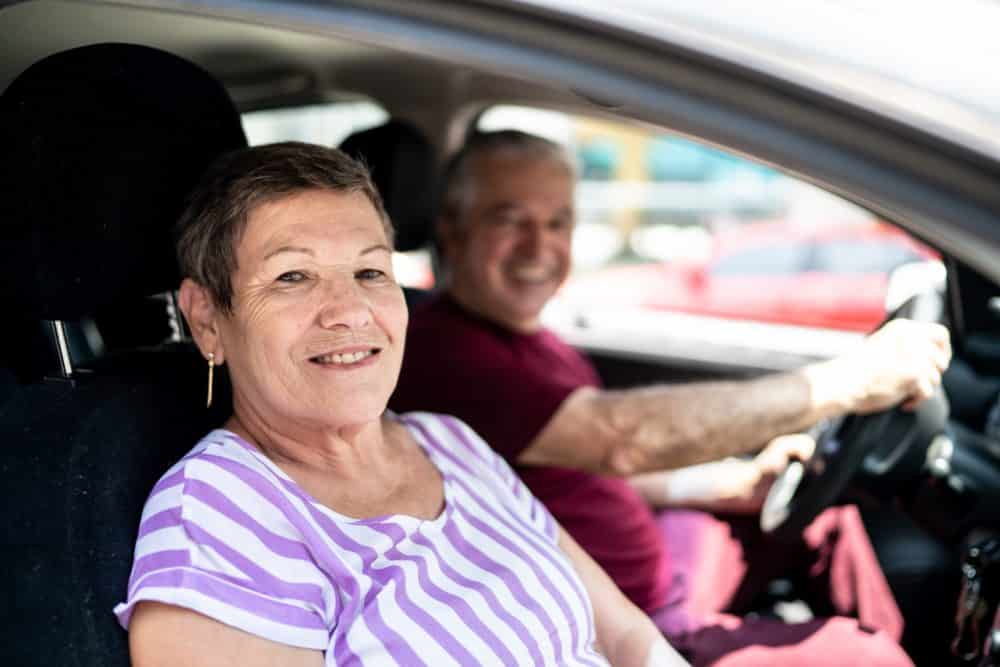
(457, 183)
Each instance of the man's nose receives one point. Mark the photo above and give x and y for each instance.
(344, 305)
(534, 239)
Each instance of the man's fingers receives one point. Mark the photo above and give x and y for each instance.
(800, 446)
(777, 454)
(923, 389)
(926, 386)
(940, 334)
(902, 361)
(941, 359)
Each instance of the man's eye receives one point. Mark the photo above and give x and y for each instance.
(291, 277)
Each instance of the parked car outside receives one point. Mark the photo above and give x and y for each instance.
(827, 275)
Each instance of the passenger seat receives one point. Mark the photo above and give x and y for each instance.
(404, 167)
(101, 146)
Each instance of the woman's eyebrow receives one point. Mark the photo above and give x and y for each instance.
(376, 247)
(288, 248)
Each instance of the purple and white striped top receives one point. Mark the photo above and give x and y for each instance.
(227, 534)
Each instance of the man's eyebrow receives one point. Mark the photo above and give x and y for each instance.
(375, 248)
(288, 248)
(506, 207)
(502, 207)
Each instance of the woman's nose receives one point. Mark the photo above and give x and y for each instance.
(343, 305)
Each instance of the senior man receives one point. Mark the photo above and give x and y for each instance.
(479, 351)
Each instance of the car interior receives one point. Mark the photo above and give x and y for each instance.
(109, 113)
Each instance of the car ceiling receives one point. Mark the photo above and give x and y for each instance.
(261, 66)
(422, 60)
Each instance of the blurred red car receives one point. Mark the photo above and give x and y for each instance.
(832, 276)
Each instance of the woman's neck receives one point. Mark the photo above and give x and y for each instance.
(348, 452)
(360, 472)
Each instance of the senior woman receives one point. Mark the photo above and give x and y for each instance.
(314, 527)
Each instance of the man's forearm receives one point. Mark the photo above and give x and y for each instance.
(673, 426)
(640, 430)
(729, 485)
(669, 427)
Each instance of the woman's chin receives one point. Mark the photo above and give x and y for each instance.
(355, 416)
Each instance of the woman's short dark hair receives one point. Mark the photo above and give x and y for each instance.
(212, 225)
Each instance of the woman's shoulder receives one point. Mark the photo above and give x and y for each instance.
(219, 536)
(221, 467)
(220, 447)
(439, 429)
(452, 439)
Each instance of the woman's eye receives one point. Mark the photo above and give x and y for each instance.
(369, 274)
(291, 277)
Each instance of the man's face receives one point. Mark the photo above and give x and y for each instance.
(510, 250)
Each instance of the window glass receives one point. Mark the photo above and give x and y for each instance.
(330, 124)
(776, 260)
(667, 225)
(327, 124)
(862, 257)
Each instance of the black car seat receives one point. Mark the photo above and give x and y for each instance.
(404, 168)
(101, 146)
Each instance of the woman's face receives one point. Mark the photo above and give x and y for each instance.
(318, 324)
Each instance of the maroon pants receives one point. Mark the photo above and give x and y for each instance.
(720, 565)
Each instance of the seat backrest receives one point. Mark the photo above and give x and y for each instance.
(101, 146)
(405, 171)
(403, 166)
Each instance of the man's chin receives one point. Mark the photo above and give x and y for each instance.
(527, 314)
(534, 292)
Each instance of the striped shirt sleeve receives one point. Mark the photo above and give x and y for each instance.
(520, 497)
(204, 545)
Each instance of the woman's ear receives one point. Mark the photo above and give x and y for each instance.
(203, 319)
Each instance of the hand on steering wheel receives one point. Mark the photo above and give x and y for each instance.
(876, 439)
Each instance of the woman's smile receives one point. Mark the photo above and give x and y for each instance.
(347, 359)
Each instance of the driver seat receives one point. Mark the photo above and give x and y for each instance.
(101, 146)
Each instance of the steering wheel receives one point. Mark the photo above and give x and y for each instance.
(875, 442)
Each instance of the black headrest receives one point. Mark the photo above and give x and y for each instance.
(402, 163)
(100, 146)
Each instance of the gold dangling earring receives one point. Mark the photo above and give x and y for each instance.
(211, 373)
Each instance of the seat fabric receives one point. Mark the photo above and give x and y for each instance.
(102, 145)
(403, 167)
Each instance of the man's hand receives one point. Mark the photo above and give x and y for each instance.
(902, 361)
(730, 485)
(771, 462)
(775, 457)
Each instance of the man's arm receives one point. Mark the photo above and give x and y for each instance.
(732, 485)
(663, 427)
